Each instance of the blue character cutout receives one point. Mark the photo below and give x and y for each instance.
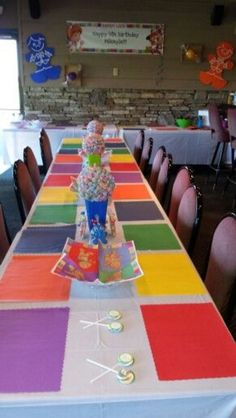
(41, 56)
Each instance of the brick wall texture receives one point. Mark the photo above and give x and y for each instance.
(119, 106)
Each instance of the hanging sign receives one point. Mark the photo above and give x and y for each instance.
(121, 38)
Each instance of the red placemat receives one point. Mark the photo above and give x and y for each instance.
(58, 180)
(189, 341)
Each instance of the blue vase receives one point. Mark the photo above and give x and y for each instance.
(96, 210)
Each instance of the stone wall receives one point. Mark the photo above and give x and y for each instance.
(119, 106)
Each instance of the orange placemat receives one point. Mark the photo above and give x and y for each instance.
(29, 278)
(68, 158)
(130, 192)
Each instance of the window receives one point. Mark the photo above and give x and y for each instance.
(9, 79)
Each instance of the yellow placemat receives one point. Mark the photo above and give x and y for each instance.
(57, 195)
(116, 158)
(72, 141)
(167, 274)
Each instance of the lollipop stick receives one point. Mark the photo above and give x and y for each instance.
(102, 366)
(92, 323)
(103, 374)
(95, 323)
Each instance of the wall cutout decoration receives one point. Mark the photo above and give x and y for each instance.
(41, 56)
(115, 38)
(191, 53)
(218, 63)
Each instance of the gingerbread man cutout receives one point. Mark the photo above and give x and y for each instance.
(218, 63)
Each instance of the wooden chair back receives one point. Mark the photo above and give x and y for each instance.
(31, 163)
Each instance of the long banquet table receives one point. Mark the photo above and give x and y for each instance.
(185, 358)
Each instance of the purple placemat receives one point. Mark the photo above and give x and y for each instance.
(68, 151)
(127, 177)
(32, 349)
(44, 240)
(137, 211)
(66, 168)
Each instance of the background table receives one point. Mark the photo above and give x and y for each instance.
(187, 146)
(13, 139)
(185, 359)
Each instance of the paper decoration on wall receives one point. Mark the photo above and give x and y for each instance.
(115, 38)
(41, 56)
(73, 74)
(191, 53)
(218, 63)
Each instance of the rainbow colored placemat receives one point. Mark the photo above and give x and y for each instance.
(54, 214)
(57, 195)
(168, 274)
(130, 192)
(189, 341)
(32, 349)
(44, 239)
(151, 236)
(29, 278)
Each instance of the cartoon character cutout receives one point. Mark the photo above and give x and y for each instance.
(156, 40)
(74, 39)
(41, 56)
(218, 63)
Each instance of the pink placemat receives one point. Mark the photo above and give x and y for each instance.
(189, 341)
(32, 349)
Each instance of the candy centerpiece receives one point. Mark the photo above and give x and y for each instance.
(93, 143)
(93, 147)
(95, 186)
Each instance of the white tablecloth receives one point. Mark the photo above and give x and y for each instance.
(13, 140)
(186, 146)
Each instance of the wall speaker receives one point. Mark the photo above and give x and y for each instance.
(217, 14)
(34, 7)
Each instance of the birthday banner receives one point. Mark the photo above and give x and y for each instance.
(121, 38)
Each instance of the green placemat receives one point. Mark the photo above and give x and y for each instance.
(151, 237)
(71, 146)
(120, 151)
(52, 214)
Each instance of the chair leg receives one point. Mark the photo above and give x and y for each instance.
(211, 166)
(215, 154)
(232, 159)
(218, 167)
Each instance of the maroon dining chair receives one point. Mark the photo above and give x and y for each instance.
(24, 189)
(46, 151)
(33, 168)
(138, 146)
(189, 217)
(221, 136)
(182, 182)
(5, 239)
(163, 179)
(220, 278)
(146, 155)
(156, 165)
